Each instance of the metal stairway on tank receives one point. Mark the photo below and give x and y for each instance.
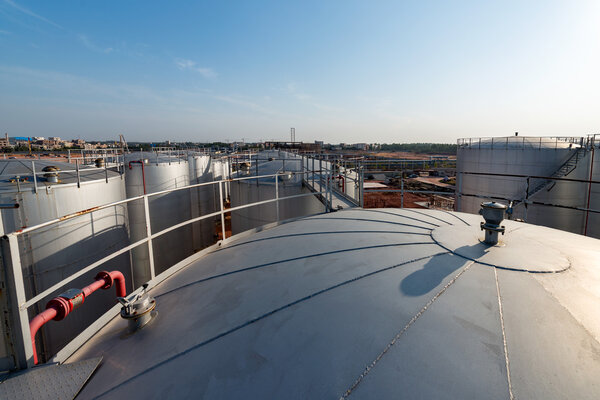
(564, 170)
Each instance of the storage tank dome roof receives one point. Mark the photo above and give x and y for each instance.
(378, 303)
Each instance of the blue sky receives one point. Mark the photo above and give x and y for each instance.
(339, 71)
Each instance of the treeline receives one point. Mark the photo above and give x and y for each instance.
(423, 148)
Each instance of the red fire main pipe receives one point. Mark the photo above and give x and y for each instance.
(59, 307)
(143, 172)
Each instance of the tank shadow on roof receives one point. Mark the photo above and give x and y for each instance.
(435, 270)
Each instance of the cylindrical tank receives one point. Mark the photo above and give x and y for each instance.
(50, 254)
(248, 191)
(532, 156)
(149, 173)
(203, 200)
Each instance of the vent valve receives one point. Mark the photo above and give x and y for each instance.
(493, 213)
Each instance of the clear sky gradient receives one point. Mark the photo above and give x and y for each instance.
(338, 71)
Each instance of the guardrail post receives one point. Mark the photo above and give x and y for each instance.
(21, 337)
(221, 203)
(105, 170)
(313, 172)
(330, 185)
(149, 236)
(77, 171)
(35, 188)
(526, 200)
(401, 190)
(362, 184)
(277, 196)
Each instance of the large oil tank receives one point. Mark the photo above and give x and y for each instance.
(50, 254)
(203, 200)
(571, 158)
(251, 191)
(149, 172)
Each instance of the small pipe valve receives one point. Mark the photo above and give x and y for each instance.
(493, 213)
(138, 309)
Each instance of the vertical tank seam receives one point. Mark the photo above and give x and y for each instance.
(401, 332)
(506, 360)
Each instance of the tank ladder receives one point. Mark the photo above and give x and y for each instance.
(564, 170)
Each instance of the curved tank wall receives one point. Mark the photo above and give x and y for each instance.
(248, 191)
(203, 200)
(53, 253)
(159, 172)
(534, 157)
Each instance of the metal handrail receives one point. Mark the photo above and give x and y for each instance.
(13, 262)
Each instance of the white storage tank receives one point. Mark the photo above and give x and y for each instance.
(48, 255)
(149, 172)
(203, 200)
(570, 158)
(248, 191)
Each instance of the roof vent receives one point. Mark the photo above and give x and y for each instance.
(99, 162)
(493, 213)
(138, 309)
(50, 173)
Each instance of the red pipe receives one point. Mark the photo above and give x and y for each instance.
(59, 307)
(143, 172)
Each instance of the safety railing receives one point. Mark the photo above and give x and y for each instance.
(523, 198)
(22, 181)
(523, 142)
(346, 176)
(20, 304)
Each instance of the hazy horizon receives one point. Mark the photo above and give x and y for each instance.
(352, 72)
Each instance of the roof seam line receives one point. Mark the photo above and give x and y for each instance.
(403, 216)
(265, 315)
(510, 391)
(426, 215)
(402, 331)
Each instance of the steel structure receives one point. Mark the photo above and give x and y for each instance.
(550, 181)
(21, 303)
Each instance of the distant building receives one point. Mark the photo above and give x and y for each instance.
(4, 142)
(361, 146)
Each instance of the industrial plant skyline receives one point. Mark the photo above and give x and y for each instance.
(351, 72)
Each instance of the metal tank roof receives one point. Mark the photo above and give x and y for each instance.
(378, 303)
(10, 169)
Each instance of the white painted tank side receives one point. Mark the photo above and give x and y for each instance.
(541, 160)
(165, 210)
(51, 254)
(202, 199)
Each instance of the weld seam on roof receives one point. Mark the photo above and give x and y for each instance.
(292, 259)
(402, 331)
(402, 216)
(517, 269)
(426, 215)
(456, 216)
(510, 391)
(315, 233)
(367, 220)
(267, 314)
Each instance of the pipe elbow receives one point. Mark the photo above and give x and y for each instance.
(118, 277)
(113, 277)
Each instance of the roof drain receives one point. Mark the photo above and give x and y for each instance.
(138, 309)
(493, 213)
